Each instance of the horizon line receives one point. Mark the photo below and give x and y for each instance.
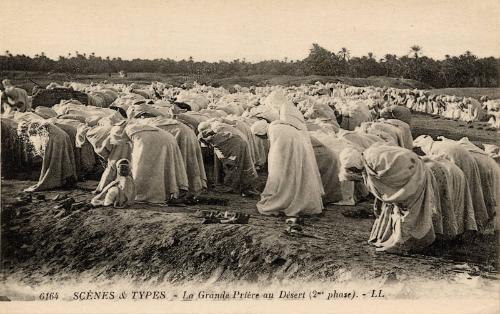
(289, 60)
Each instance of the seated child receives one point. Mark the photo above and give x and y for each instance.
(119, 192)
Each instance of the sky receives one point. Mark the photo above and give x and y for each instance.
(253, 30)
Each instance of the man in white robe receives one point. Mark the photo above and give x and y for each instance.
(294, 184)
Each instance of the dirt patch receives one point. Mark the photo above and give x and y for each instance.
(476, 92)
(171, 244)
(455, 130)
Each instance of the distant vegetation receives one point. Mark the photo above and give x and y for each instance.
(466, 70)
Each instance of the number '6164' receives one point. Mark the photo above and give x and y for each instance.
(47, 296)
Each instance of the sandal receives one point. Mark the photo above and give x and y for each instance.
(210, 216)
(294, 221)
(207, 213)
(294, 230)
(211, 220)
(191, 200)
(242, 218)
(235, 218)
(59, 197)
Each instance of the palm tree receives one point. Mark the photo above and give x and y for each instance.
(416, 50)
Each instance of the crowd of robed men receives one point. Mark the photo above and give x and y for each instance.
(321, 143)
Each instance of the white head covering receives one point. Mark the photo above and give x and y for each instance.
(265, 112)
(260, 127)
(6, 83)
(424, 142)
(288, 113)
(350, 158)
(121, 162)
(217, 124)
(117, 135)
(203, 126)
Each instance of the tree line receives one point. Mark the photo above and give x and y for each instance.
(465, 70)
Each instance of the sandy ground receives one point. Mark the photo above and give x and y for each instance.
(171, 245)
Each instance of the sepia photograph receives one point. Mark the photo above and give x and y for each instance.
(250, 156)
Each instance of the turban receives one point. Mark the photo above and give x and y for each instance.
(350, 158)
(217, 124)
(424, 142)
(260, 127)
(203, 126)
(492, 150)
